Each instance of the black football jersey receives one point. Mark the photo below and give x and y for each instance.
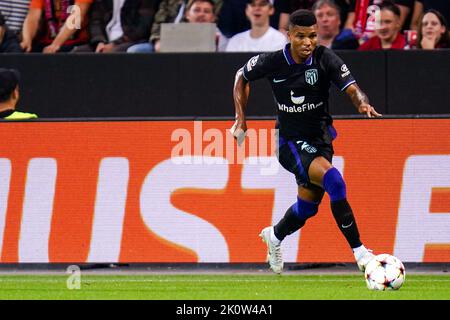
(301, 91)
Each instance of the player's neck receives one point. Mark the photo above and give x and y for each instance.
(258, 31)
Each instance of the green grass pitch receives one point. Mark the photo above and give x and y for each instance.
(219, 287)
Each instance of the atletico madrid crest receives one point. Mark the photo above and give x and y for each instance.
(311, 76)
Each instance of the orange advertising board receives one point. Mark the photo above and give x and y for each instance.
(182, 191)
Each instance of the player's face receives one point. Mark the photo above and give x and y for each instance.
(389, 26)
(303, 40)
(432, 27)
(200, 12)
(328, 21)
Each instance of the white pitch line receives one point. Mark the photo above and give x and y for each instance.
(199, 280)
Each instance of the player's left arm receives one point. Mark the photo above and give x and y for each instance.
(341, 76)
(361, 101)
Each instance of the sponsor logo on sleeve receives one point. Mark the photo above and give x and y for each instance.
(252, 62)
(345, 71)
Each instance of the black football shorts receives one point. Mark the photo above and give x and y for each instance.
(296, 157)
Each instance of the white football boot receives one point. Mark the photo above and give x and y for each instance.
(363, 259)
(274, 255)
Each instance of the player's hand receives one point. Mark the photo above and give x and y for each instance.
(368, 110)
(239, 130)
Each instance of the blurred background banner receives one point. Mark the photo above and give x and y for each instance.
(181, 191)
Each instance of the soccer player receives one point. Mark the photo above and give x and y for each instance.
(300, 76)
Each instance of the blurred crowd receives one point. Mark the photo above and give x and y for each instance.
(134, 26)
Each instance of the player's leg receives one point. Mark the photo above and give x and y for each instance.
(295, 160)
(305, 207)
(322, 173)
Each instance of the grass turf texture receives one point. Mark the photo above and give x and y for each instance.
(220, 287)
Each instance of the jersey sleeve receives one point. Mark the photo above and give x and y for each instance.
(337, 70)
(258, 67)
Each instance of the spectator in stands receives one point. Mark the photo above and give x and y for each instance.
(114, 26)
(261, 37)
(14, 12)
(50, 26)
(8, 39)
(362, 18)
(387, 35)
(173, 11)
(289, 6)
(406, 9)
(328, 22)
(196, 11)
(421, 6)
(9, 96)
(233, 20)
(203, 11)
(433, 31)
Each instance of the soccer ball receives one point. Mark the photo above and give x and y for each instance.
(383, 272)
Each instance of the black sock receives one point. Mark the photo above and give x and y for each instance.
(346, 222)
(288, 224)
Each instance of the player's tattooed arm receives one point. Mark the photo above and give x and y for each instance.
(361, 101)
(241, 91)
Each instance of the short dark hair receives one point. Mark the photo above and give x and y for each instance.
(9, 80)
(2, 20)
(391, 6)
(302, 18)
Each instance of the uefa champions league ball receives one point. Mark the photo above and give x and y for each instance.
(385, 272)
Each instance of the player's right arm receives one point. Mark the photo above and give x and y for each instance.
(241, 92)
(256, 68)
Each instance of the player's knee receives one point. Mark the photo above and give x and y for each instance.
(334, 185)
(306, 209)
